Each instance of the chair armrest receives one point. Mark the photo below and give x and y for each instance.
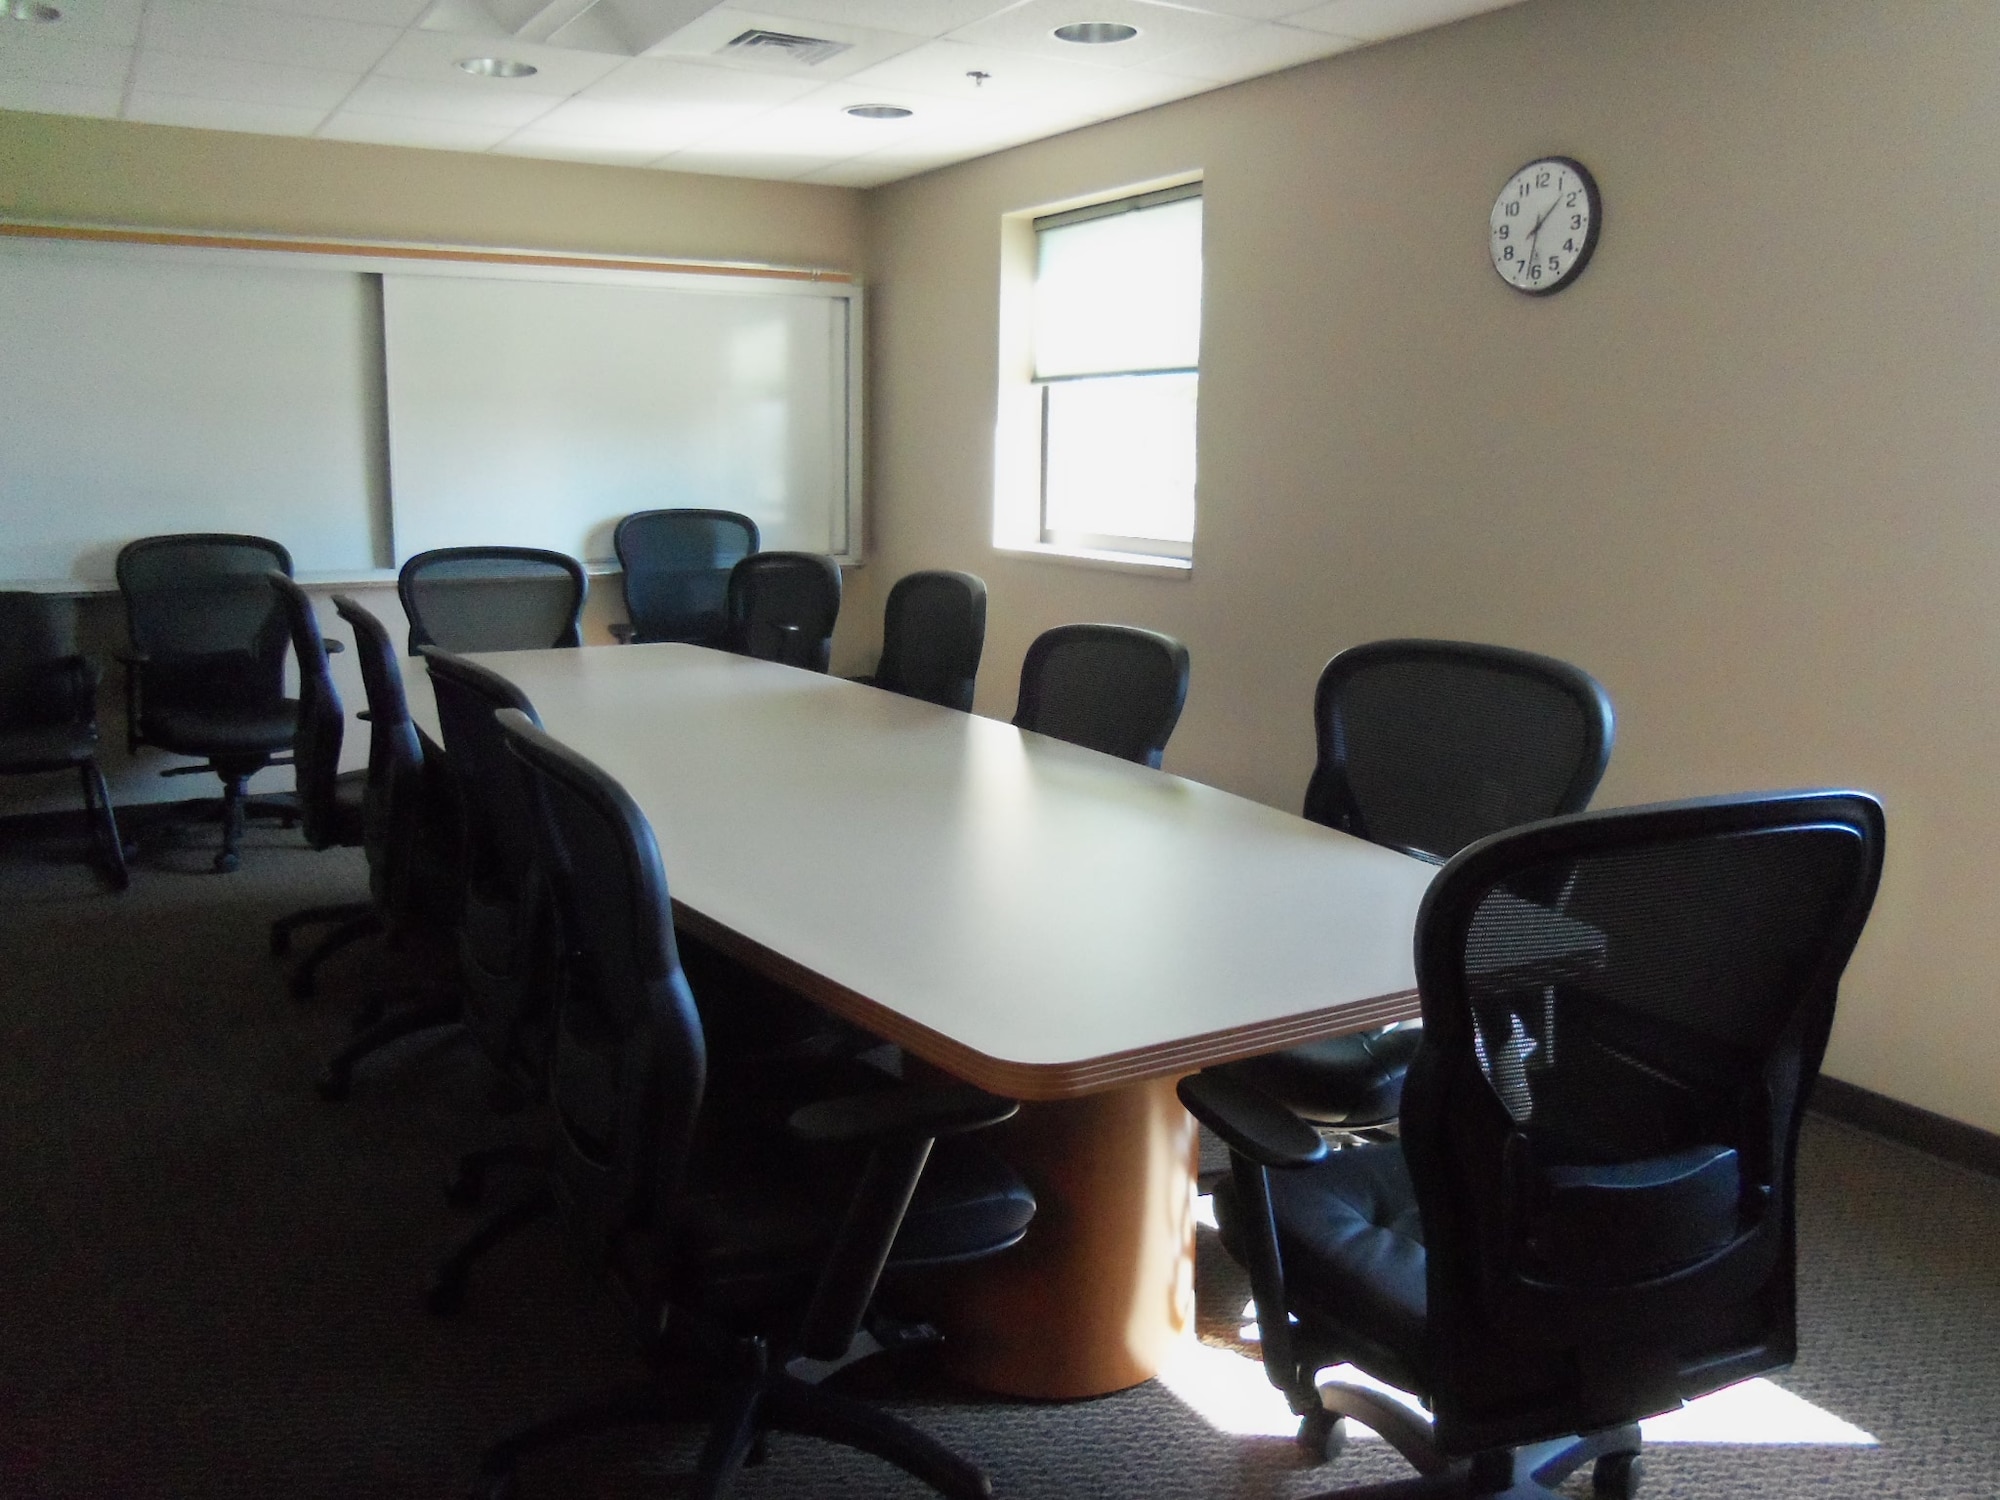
(622, 632)
(916, 1111)
(334, 647)
(1250, 1121)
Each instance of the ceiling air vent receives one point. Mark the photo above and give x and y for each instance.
(809, 51)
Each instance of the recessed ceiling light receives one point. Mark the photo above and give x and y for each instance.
(28, 10)
(879, 111)
(497, 67)
(1096, 33)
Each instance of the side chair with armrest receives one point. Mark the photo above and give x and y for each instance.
(48, 711)
(676, 566)
(933, 632)
(330, 800)
(1588, 1218)
(1426, 746)
(749, 1269)
(1114, 688)
(206, 673)
(492, 599)
(782, 606)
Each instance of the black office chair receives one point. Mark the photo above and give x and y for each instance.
(782, 606)
(492, 599)
(1588, 1219)
(505, 939)
(48, 711)
(206, 673)
(933, 631)
(676, 570)
(751, 1276)
(329, 801)
(1114, 688)
(1427, 746)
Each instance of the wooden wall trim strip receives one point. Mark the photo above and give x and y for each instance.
(445, 253)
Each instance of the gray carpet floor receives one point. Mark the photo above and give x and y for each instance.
(210, 1280)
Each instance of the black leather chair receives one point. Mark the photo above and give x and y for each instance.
(48, 710)
(1427, 746)
(1114, 688)
(751, 1272)
(492, 599)
(676, 567)
(782, 606)
(933, 631)
(1588, 1219)
(206, 673)
(330, 801)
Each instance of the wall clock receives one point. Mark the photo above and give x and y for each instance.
(1544, 225)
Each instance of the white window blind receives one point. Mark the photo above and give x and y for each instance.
(1117, 346)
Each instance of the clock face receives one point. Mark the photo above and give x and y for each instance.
(1545, 225)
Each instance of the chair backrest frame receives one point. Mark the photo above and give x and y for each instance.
(933, 634)
(783, 606)
(1082, 711)
(676, 565)
(322, 721)
(506, 571)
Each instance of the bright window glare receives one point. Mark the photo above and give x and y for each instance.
(1120, 457)
(1120, 293)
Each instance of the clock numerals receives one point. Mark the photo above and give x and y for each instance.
(1544, 225)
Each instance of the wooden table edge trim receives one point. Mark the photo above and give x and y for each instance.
(1041, 1082)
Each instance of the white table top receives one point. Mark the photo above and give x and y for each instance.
(1041, 920)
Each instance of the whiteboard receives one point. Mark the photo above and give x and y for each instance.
(537, 413)
(153, 390)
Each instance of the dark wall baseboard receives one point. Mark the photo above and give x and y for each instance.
(1939, 1135)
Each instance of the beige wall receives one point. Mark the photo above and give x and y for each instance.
(1744, 470)
(150, 176)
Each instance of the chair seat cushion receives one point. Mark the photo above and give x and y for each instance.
(1351, 1241)
(265, 729)
(1352, 1081)
(46, 747)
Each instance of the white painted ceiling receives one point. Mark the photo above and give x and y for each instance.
(655, 83)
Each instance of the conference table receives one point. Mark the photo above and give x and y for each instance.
(1046, 922)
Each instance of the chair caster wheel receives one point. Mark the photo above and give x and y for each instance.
(1323, 1435)
(1616, 1476)
(443, 1299)
(333, 1086)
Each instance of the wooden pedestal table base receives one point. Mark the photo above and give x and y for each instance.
(1103, 1286)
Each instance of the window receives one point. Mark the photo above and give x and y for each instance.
(1116, 342)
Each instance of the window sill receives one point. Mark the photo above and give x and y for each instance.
(1115, 562)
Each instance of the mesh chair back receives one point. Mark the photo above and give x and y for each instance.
(1601, 1121)
(676, 565)
(322, 721)
(1428, 745)
(629, 1060)
(492, 599)
(782, 607)
(933, 631)
(37, 634)
(209, 628)
(1113, 688)
(393, 816)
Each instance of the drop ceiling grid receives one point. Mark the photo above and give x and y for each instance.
(977, 75)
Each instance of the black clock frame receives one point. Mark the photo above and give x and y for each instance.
(1580, 262)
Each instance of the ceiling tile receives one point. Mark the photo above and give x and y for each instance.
(241, 82)
(36, 97)
(74, 63)
(911, 17)
(652, 80)
(1030, 27)
(403, 130)
(198, 29)
(774, 165)
(444, 100)
(397, 13)
(102, 23)
(1249, 10)
(434, 55)
(594, 153)
(708, 37)
(1026, 79)
(221, 114)
(650, 130)
(1378, 20)
(1253, 53)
